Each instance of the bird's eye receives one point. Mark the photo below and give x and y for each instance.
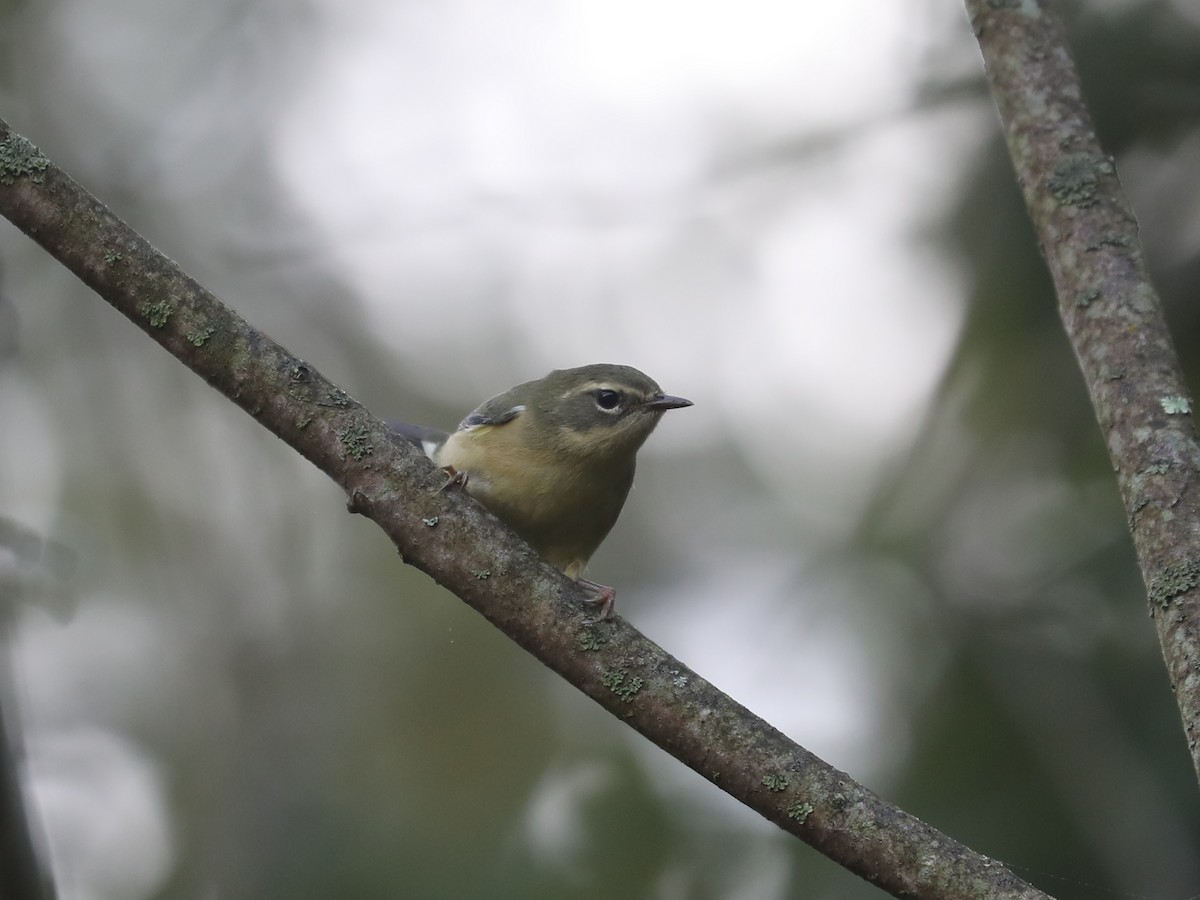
(608, 400)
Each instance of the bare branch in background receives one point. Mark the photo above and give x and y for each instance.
(1112, 315)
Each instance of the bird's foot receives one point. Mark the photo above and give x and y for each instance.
(454, 478)
(603, 599)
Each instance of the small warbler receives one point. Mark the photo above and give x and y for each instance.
(554, 458)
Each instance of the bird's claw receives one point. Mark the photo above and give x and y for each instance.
(603, 599)
(454, 478)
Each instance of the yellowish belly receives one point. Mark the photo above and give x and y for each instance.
(559, 505)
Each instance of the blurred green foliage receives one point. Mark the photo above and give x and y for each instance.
(317, 719)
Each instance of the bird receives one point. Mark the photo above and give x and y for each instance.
(554, 459)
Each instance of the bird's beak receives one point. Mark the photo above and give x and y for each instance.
(665, 402)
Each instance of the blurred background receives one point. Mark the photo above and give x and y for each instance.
(888, 525)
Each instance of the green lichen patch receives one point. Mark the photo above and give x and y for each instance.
(1076, 180)
(20, 159)
(1175, 406)
(1109, 240)
(800, 811)
(591, 641)
(357, 441)
(431, 522)
(157, 314)
(1172, 581)
(199, 336)
(338, 398)
(621, 683)
(483, 574)
(777, 781)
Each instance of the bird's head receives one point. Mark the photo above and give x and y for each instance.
(598, 411)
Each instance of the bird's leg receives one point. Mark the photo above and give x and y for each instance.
(454, 478)
(603, 599)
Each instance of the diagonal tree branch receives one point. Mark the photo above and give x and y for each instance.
(465, 549)
(1112, 315)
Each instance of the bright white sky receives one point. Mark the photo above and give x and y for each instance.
(545, 170)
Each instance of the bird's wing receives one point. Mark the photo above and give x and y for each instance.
(497, 411)
(428, 439)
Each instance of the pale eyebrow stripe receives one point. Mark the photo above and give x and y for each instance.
(591, 386)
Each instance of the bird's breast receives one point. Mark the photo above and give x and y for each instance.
(563, 505)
